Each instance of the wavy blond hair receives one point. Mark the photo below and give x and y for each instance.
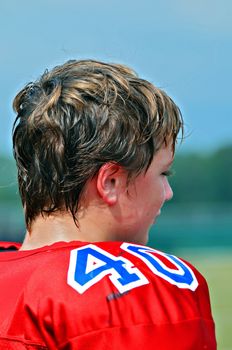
(79, 116)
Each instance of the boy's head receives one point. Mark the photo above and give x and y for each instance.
(78, 117)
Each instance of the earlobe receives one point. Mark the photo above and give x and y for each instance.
(109, 182)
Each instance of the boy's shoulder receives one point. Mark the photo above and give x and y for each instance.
(104, 271)
(122, 266)
(83, 288)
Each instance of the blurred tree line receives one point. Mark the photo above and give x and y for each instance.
(203, 177)
(8, 182)
(197, 178)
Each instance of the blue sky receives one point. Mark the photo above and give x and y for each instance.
(184, 47)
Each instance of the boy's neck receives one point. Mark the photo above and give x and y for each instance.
(60, 227)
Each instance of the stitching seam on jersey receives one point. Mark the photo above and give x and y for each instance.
(137, 325)
(23, 341)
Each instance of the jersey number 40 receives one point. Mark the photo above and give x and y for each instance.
(89, 264)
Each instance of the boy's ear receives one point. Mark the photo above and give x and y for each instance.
(111, 181)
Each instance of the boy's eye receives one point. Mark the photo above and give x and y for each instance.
(168, 173)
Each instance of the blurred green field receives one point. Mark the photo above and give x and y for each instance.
(216, 266)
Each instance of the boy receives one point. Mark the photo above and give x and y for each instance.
(93, 145)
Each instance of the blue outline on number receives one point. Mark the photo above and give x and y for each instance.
(182, 277)
(122, 274)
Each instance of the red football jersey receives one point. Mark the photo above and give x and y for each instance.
(107, 295)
